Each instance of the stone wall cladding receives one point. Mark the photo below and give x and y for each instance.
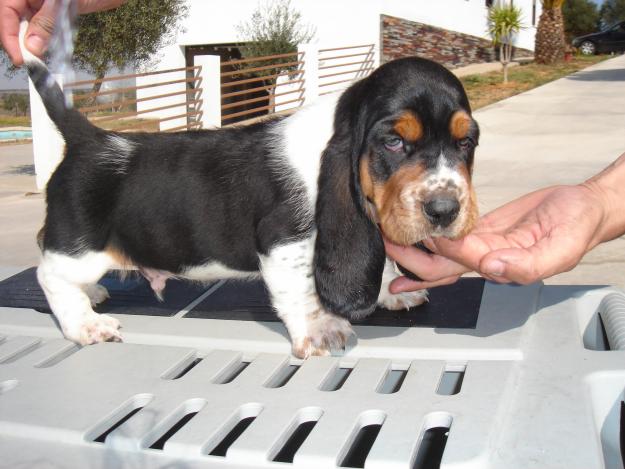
(403, 38)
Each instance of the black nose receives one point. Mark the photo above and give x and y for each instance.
(441, 211)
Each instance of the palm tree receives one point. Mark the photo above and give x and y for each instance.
(550, 44)
(504, 22)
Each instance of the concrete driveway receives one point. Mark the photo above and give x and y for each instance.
(560, 133)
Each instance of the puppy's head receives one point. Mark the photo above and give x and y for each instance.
(417, 153)
(399, 161)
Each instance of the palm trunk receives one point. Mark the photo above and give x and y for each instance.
(550, 44)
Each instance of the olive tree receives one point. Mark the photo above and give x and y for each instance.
(128, 36)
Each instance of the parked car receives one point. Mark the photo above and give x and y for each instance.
(611, 39)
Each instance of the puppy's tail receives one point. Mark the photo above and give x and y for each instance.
(64, 118)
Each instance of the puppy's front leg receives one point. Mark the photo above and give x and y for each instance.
(405, 300)
(288, 273)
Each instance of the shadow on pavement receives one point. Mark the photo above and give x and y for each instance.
(599, 75)
(24, 169)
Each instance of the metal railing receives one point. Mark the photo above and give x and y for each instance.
(249, 87)
(115, 107)
(339, 66)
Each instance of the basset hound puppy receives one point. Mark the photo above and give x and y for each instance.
(301, 201)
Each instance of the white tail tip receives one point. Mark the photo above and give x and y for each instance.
(28, 56)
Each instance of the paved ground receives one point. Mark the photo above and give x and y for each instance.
(562, 132)
(480, 68)
(559, 133)
(21, 207)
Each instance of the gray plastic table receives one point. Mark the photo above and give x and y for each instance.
(534, 385)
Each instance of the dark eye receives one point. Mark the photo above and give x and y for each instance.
(466, 143)
(394, 144)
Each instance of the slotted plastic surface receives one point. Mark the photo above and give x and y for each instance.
(532, 395)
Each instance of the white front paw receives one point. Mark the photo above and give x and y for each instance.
(325, 332)
(405, 300)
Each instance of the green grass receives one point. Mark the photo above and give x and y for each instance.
(14, 121)
(488, 88)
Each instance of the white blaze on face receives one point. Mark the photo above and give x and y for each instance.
(450, 180)
(445, 177)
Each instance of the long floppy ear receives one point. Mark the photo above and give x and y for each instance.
(349, 252)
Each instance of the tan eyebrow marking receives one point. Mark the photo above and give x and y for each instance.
(409, 127)
(459, 124)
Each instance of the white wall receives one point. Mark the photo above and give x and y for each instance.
(337, 22)
(340, 22)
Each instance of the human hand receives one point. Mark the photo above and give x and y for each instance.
(42, 15)
(531, 238)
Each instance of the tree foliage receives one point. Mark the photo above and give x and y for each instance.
(549, 43)
(16, 102)
(580, 17)
(130, 35)
(612, 11)
(504, 23)
(274, 28)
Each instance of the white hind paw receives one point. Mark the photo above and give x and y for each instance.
(94, 328)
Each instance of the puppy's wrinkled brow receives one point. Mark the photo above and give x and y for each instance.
(408, 127)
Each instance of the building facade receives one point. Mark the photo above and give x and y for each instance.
(453, 32)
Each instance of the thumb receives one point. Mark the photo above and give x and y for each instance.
(40, 29)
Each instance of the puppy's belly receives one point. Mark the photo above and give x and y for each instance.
(215, 271)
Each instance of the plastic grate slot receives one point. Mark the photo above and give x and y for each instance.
(360, 447)
(102, 437)
(231, 373)
(21, 353)
(296, 434)
(295, 441)
(186, 369)
(605, 346)
(336, 380)
(451, 381)
(222, 448)
(58, 357)
(392, 381)
(160, 443)
(431, 449)
(282, 377)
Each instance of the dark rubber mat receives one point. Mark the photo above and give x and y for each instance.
(132, 295)
(452, 306)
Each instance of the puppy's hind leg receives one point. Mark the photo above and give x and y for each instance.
(288, 273)
(405, 300)
(69, 283)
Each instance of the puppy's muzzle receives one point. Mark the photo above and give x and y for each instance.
(441, 210)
